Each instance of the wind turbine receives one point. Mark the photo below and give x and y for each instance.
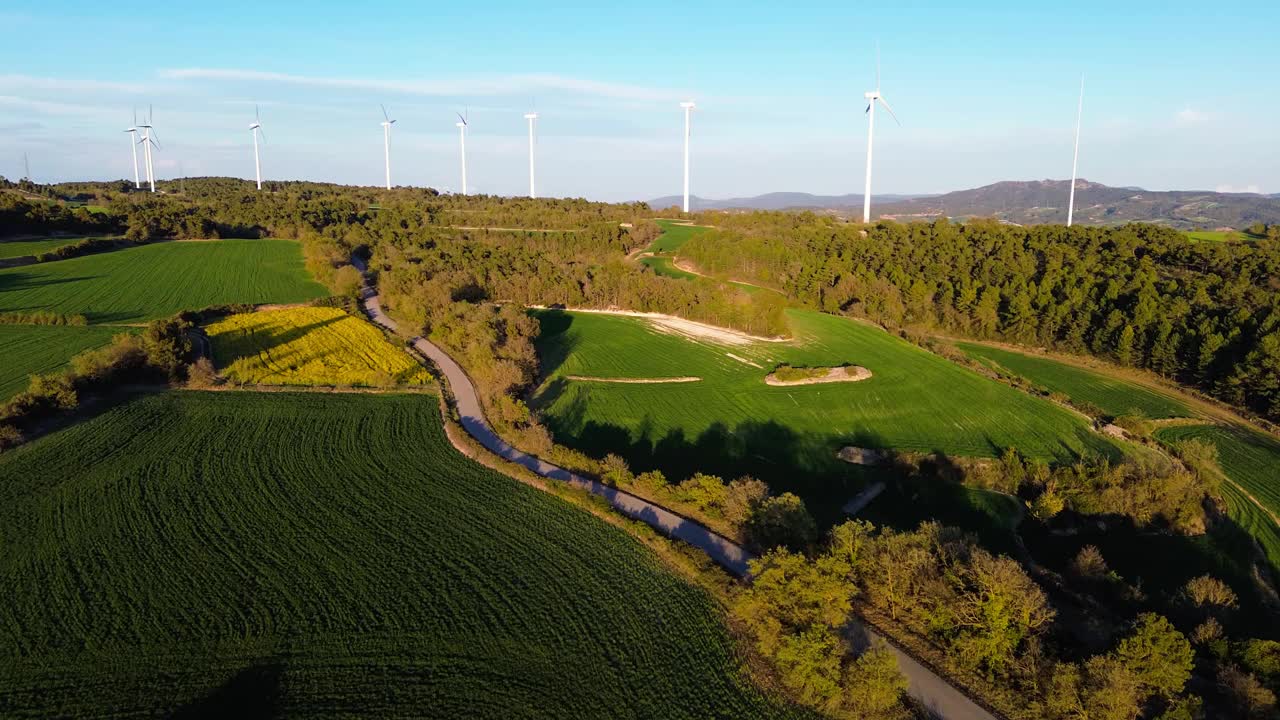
(873, 97)
(256, 129)
(532, 118)
(387, 122)
(688, 108)
(147, 142)
(462, 137)
(26, 168)
(1075, 158)
(133, 147)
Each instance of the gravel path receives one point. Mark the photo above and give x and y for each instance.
(932, 691)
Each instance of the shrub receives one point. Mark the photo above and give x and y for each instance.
(201, 374)
(781, 521)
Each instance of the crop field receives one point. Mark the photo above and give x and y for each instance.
(21, 248)
(1113, 396)
(1252, 460)
(732, 423)
(189, 554)
(664, 266)
(673, 236)
(27, 350)
(1220, 235)
(309, 346)
(152, 281)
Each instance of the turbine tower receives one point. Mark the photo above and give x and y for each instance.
(148, 141)
(532, 118)
(387, 122)
(255, 129)
(462, 137)
(873, 97)
(133, 147)
(26, 168)
(688, 109)
(1075, 158)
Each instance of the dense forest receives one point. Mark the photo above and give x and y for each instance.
(1205, 314)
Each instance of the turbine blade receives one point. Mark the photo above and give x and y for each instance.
(886, 107)
(868, 110)
(464, 120)
(256, 118)
(877, 65)
(262, 135)
(384, 113)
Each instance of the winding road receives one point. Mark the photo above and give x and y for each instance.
(932, 691)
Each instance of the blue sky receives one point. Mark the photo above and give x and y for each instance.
(1179, 95)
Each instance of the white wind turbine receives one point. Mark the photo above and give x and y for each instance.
(462, 138)
(1075, 158)
(532, 118)
(387, 122)
(133, 147)
(148, 141)
(256, 130)
(873, 97)
(688, 109)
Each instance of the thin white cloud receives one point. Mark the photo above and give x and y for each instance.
(45, 107)
(30, 82)
(519, 84)
(1190, 117)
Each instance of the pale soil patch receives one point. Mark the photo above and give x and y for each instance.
(834, 375)
(745, 361)
(635, 381)
(685, 328)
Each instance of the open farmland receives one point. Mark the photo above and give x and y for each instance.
(673, 236)
(1251, 460)
(152, 281)
(254, 555)
(309, 346)
(732, 423)
(1111, 395)
(21, 248)
(27, 350)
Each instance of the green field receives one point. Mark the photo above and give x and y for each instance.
(1112, 396)
(152, 281)
(1252, 460)
(230, 554)
(1220, 235)
(22, 248)
(731, 423)
(27, 350)
(662, 265)
(673, 236)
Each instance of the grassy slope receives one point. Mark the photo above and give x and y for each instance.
(732, 423)
(27, 350)
(1252, 460)
(674, 235)
(665, 267)
(1220, 235)
(21, 248)
(158, 280)
(305, 555)
(1113, 396)
(309, 346)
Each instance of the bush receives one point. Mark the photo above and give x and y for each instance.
(787, 373)
(201, 374)
(9, 437)
(41, 317)
(781, 521)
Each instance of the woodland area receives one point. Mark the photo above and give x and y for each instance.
(1203, 314)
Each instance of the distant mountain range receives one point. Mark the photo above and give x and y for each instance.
(1030, 202)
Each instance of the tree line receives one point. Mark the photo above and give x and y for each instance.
(1204, 314)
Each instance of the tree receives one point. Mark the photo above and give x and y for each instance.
(1089, 563)
(1209, 594)
(1159, 656)
(1250, 697)
(781, 521)
(809, 664)
(873, 684)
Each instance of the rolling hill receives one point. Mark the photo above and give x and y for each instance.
(1033, 202)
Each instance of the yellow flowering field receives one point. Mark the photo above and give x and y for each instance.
(309, 346)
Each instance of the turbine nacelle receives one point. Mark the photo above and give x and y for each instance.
(531, 116)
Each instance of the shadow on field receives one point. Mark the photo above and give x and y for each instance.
(554, 343)
(251, 694)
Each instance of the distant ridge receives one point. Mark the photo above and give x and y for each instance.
(1029, 202)
(778, 201)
